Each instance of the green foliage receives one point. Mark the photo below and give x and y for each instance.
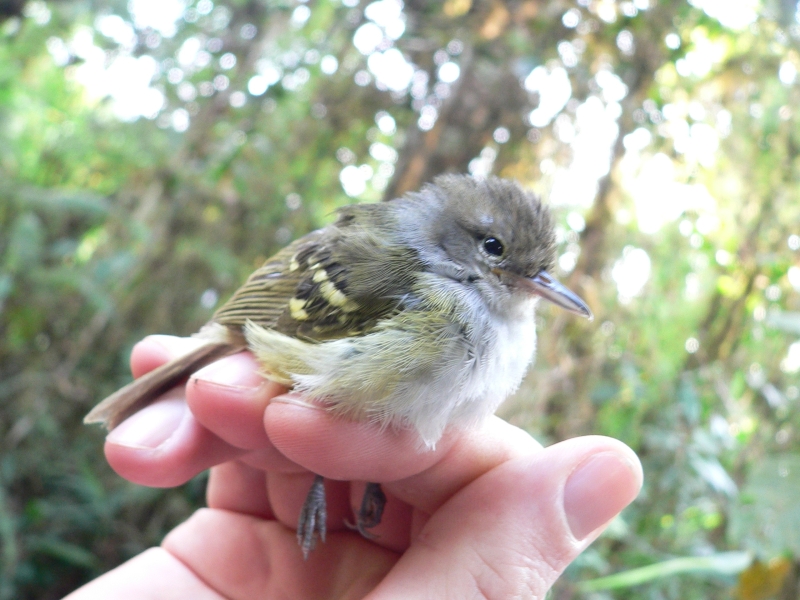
(765, 516)
(671, 164)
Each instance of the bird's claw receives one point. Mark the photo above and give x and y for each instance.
(313, 517)
(370, 513)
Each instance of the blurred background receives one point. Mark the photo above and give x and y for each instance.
(152, 153)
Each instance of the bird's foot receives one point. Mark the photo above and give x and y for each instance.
(371, 511)
(313, 517)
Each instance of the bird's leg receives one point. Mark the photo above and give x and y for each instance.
(371, 511)
(313, 517)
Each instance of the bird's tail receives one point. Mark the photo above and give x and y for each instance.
(142, 391)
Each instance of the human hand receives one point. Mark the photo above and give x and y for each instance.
(488, 514)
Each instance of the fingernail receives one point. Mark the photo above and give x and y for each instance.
(296, 401)
(151, 426)
(236, 372)
(598, 489)
(176, 346)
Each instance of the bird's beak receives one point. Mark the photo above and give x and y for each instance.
(549, 288)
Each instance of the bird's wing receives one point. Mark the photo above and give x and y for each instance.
(311, 290)
(265, 295)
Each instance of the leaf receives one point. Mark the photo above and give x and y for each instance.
(725, 563)
(25, 242)
(64, 201)
(714, 474)
(766, 519)
(6, 285)
(65, 551)
(761, 581)
(784, 320)
(456, 8)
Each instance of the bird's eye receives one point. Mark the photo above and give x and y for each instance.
(493, 246)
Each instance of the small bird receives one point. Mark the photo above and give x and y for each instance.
(413, 313)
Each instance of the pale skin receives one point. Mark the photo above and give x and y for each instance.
(489, 514)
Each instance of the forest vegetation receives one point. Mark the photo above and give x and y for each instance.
(153, 154)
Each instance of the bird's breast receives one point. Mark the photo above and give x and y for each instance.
(504, 346)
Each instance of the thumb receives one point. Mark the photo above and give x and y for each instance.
(511, 532)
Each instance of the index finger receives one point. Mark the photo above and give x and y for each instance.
(335, 448)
